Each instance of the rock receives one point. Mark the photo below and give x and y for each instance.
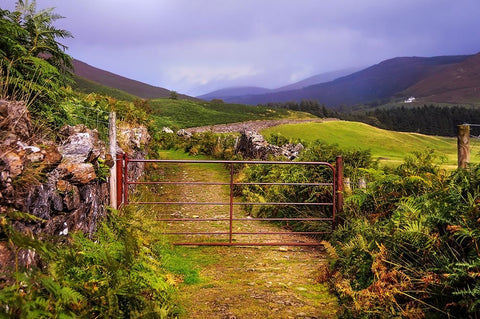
(132, 139)
(14, 162)
(51, 157)
(77, 147)
(77, 173)
(183, 133)
(252, 145)
(167, 130)
(109, 161)
(70, 193)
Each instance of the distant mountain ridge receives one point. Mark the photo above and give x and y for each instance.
(109, 79)
(386, 80)
(441, 79)
(228, 93)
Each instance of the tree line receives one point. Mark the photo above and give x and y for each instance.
(427, 119)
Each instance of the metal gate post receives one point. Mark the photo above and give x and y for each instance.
(119, 168)
(125, 179)
(339, 185)
(231, 202)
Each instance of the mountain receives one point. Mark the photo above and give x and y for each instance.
(385, 80)
(111, 80)
(229, 93)
(317, 79)
(456, 83)
(234, 91)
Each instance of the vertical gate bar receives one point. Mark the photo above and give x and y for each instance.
(119, 179)
(231, 202)
(125, 179)
(339, 185)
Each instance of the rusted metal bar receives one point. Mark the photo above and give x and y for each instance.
(339, 188)
(230, 162)
(119, 168)
(243, 219)
(292, 184)
(247, 244)
(239, 184)
(125, 179)
(231, 203)
(176, 183)
(246, 233)
(234, 204)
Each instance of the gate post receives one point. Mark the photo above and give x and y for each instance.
(125, 179)
(463, 145)
(112, 143)
(339, 185)
(119, 168)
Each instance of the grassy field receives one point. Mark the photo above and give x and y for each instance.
(184, 113)
(389, 146)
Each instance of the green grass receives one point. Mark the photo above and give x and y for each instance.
(185, 113)
(388, 146)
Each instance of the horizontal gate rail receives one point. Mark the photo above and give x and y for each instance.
(335, 203)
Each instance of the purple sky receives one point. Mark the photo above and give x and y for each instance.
(196, 46)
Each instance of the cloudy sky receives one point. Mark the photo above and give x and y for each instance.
(196, 46)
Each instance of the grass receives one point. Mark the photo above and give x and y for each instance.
(388, 146)
(185, 113)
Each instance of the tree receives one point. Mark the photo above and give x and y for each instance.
(173, 95)
(33, 64)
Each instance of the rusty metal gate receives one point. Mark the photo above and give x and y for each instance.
(125, 185)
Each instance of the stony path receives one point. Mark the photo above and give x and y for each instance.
(247, 282)
(251, 125)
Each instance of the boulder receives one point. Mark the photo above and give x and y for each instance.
(167, 130)
(184, 133)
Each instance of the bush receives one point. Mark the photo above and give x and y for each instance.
(115, 275)
(408, 245)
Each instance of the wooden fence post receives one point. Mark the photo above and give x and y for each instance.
(463, 145)
(112, 138)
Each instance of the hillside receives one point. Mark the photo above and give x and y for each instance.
(456, 83)
(108, 79)
(186, 114)
(388, 146)
(385, 80)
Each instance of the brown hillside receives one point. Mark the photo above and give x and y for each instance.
(112, 80)
(456, 83)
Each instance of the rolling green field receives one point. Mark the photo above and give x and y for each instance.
(388, 146)
(185, 113)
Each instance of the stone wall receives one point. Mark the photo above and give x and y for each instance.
(253, 145)
(64, 182)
